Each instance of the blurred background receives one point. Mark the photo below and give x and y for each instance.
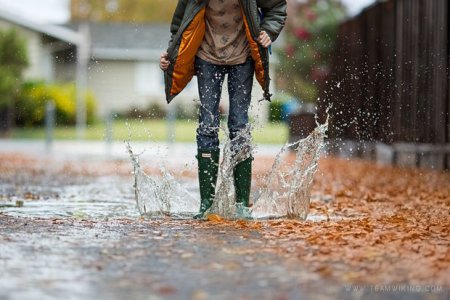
(88, 70)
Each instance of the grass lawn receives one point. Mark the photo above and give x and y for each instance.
(144, 130)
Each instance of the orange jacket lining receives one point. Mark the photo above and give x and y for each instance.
(191, 40)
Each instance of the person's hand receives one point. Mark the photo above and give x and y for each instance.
(264, 39)
(164, 61)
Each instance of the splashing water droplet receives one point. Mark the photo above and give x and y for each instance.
(161, 196)
(288, 186)
(286, 191)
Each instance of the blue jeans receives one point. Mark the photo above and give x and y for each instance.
(210, 78)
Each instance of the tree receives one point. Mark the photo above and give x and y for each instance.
(310, 39)
(139, 11)
(13, 60)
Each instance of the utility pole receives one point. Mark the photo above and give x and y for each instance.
(83, 57)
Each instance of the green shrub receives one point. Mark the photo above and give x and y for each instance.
(132, 113)
(13, 60)
(153, 111)
(30, 105)
(156, 111)
(185, 111)
(275, 111)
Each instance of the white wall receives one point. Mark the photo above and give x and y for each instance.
(113, 83)
(121, 85)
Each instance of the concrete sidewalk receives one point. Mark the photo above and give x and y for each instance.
(100, 150)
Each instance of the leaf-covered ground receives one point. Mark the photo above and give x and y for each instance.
(383, 228)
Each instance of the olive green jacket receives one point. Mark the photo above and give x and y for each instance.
(188, 29)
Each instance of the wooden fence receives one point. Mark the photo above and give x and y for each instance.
(390, 75)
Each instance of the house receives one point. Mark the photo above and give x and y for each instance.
(123, 63)
(124, 71)
(44, 41)
(124, 68)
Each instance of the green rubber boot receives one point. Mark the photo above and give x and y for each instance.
(208, 167)
(242, 185)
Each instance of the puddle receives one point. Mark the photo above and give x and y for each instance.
(285, 191)
(102, 197)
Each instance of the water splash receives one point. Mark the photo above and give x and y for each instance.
(161, 196)
(235, 151)
(286, 191)
(287, 188)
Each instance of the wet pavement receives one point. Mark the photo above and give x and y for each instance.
(129, 259)
(166, 259)
(100, 150)
(78, 234)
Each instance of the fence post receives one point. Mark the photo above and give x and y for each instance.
(49, 124)
(109, 131)
(83, 57)
(171, 120)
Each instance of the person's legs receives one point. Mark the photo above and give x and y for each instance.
(210, 79)
(240, 82)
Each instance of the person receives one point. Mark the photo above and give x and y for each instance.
(211, 38)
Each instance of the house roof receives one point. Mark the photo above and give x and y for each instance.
(55, 31)
(127, 41)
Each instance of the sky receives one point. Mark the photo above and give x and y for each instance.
(57, 11)
(43, 11)
(355, 6)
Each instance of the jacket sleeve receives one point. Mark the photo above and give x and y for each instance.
(274, 12)
(177, 18)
